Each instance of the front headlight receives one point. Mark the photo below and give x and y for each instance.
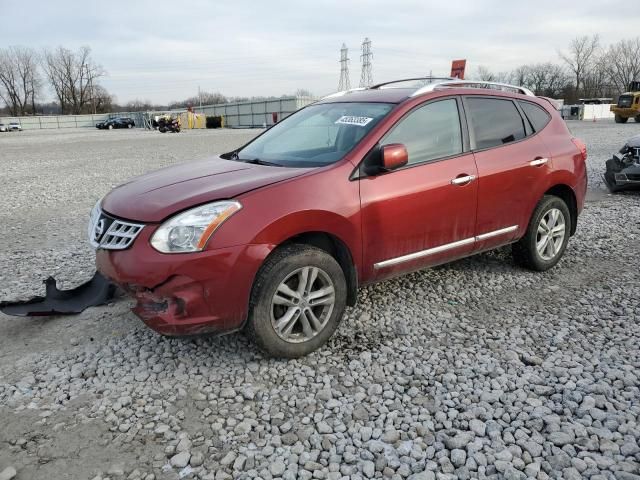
(189, 231)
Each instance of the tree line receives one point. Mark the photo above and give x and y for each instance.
(73, 78)
(586, 69)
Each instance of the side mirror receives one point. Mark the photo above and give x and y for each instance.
(394, 155)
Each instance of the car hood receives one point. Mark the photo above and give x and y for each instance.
(157, 195)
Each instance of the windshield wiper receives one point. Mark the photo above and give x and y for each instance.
(257, 161)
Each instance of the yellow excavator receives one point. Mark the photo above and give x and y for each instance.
(628, 105)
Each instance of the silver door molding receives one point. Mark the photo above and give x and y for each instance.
(444, 248)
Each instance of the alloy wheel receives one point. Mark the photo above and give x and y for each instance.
(551, 233)
(302, 304)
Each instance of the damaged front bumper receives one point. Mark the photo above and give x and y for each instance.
(187, 293)
(620, 176)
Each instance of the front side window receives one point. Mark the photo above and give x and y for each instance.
(429, 132)
(315, 136)
(494, 121)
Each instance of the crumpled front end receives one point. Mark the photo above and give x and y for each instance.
(177, 307)
(623, 169)
(187, 293)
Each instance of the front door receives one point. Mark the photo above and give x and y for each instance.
(425, 213)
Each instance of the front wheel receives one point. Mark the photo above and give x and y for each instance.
(620, 119)
(547, 235)
(297, 301)
(129, 126)
(110, 127)
(637, 118)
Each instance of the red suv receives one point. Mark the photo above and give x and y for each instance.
(277, 236)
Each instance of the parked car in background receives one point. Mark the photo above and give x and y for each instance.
(15, 127)
(363, 185)
(4, 127)
(119, 122)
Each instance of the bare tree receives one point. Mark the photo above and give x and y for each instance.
(207, 98)
(520, 76)
(138, 105)
(19, 79)
(103, 101)
(580, 57)
(546, 79)
(597, 82)
(484, 74)
(622, 63)
(73, 77)
(303, 92)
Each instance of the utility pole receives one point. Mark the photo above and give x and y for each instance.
(344, 83)
(366, 76)
(90, 82)
(200, 97)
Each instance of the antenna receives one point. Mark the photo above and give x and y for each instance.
(366, 77)
(344, 83)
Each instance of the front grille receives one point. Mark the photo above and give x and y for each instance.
(110, 233)
(635, 177)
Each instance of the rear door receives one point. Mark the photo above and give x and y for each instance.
(512, 168)
(425, 212)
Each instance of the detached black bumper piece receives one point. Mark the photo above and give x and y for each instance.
(96, 291)
(620, 176)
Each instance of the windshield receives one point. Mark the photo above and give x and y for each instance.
(315, 136)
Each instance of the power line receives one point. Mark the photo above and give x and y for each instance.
(366, 75)
(344, 83)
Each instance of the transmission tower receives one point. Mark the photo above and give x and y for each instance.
(344, 83)
(366, 77)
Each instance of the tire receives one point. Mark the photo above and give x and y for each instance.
(620, 119)
(525, 251)
(637, 118)
(162, 129)
(129, 125)
(285, 268)
(110, 127)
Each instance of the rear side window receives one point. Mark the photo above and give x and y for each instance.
(538, 116)
(429, 132)
(494, 121)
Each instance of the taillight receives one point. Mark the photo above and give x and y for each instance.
(581, 146)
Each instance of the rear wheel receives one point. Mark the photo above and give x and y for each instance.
(129, 126)
(547, 235)
(637, 118)
(620, 119)
(297, 301)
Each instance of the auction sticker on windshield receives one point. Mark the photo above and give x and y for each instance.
(351, 120)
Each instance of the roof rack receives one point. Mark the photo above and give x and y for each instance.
(452, 83)
(437, 83)
(343, 92)
(427, 79)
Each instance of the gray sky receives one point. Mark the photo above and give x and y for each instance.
(164, 50)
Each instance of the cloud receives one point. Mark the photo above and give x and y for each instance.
(164, 50)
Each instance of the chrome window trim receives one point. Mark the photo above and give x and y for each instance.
(443, 248)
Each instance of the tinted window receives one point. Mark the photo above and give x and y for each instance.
(430, 132)
(495, 122)
(538, 116)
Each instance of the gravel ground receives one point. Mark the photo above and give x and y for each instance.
(476, 369)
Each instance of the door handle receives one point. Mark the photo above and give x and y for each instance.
(538, 162)
(463, 180)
